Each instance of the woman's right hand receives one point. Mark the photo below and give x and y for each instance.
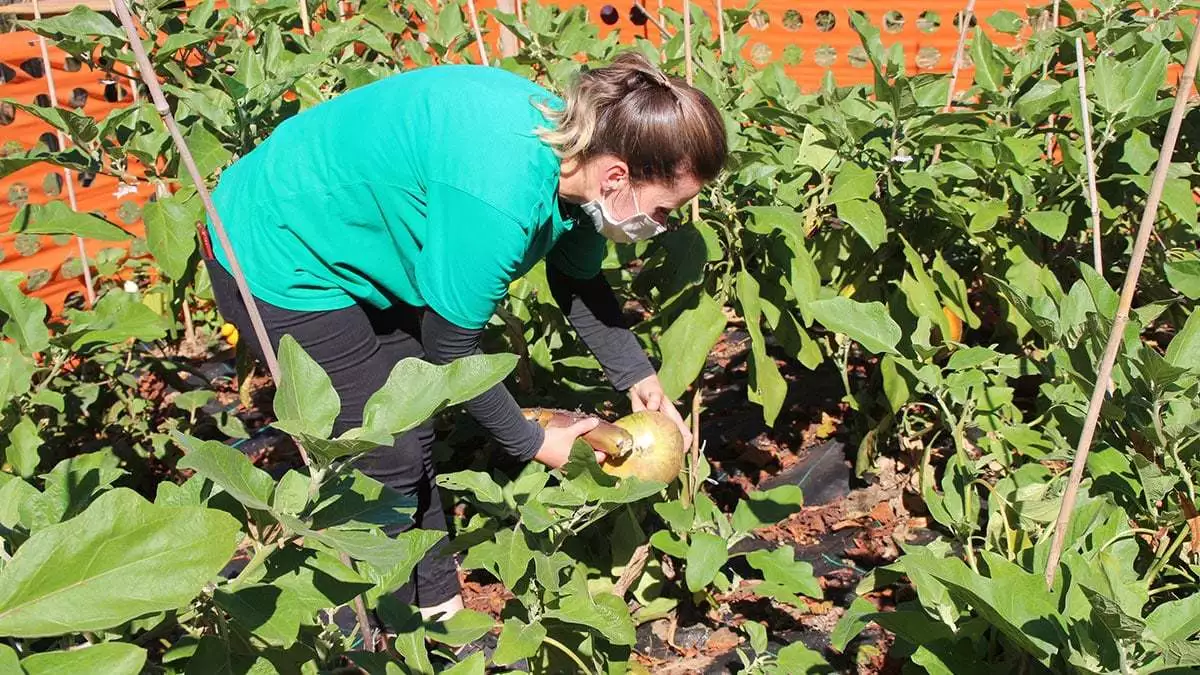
(556, 446)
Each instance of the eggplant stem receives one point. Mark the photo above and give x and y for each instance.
(607, 437)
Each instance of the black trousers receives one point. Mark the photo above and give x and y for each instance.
(358, 346)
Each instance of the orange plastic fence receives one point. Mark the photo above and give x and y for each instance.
(807, 40)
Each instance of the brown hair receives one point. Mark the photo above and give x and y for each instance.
(660, 126)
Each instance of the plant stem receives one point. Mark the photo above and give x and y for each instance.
(1104, 373)
(1168, 588)
(569, 652)
(1093, 196)
(1161, 561)
(260, 556)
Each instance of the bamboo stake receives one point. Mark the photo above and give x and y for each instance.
(164, 110)
(662, 30)
(520, 12)
(1093, 196)
(483, 57)
(1145, 228)
(508, 41)
(721, 26)
(963, 23)
(68, 175)
(305, 22)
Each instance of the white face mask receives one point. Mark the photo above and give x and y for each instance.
(637, 227)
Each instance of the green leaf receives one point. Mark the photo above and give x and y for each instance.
(798, 659)
(272, 614)
(1148, 73)
(604, 613)
(416, 389)
(1053, 224)
(1006, 22)
(986, 214)
(80, 22)
(291, 494)
(305, 397)
(781, 569)
(191, 401)
(80, 128)
(767, 386)
(393, 570)
(706, 554)
(479, 484)
(1106, 612)
(1184, 350)
(897, 383)
(686, 343)
(866, 323)
(229, 469)
(1108, 83)
(77, 575)
(1184, 276)
(56, 217)
(1138, 154)
(767, 219)
(467, 625)
(23, 446)
(215, 655)
(16, 372)
(1175, 621)
(1035, 104)
(25, 315)
(208, 152)
(357, 501)
(852, 623)
(989, 69)
(475, 664)
(764, 507)
(171, 231)
(117, 317)
(110, 658)
(518, 641)
(866, 219)
(852, 183)
(9, 665)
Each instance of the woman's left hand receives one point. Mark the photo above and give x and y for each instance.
(648, 394)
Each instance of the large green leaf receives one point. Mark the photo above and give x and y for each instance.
(767, 386)
(171, 231)
(305, 399)
(81, 129)
(123, 557)
(866, 219)
(117, 317)
(25, 316)
(852, 182)
(110, 658)
(783, 576)
(465, 626)
(56, 217)
(357, 501)
(1184, 350)
(16, 372)
(518, 640)
(81, 22)
(23, 445)
(416, 389)
(604, 613)
(764, 507)
(707, 553)
(1053, 224)
(1175, 621)
(1184, 276)
(989, 68)
(207, 150)
(866, 323)
(231, 470)
(686, 343)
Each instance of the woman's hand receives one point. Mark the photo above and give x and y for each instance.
(556, 446)
(648, 394)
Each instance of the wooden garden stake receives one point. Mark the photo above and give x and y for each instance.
(483, 57)
(160, 104)
(662, 30)
(508, 41)
(68, 175)
(1104, 373)
(305, 22)
(721, 26)
(963, 23)
(1093, 196)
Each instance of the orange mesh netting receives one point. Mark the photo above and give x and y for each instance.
(807, 40)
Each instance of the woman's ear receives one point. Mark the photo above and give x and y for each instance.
(613, 171)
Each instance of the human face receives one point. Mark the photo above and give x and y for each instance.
(657, 199)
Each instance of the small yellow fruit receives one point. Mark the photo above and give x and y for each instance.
(955, 324)
(232, 338)
(657, 448)
(227, 329)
